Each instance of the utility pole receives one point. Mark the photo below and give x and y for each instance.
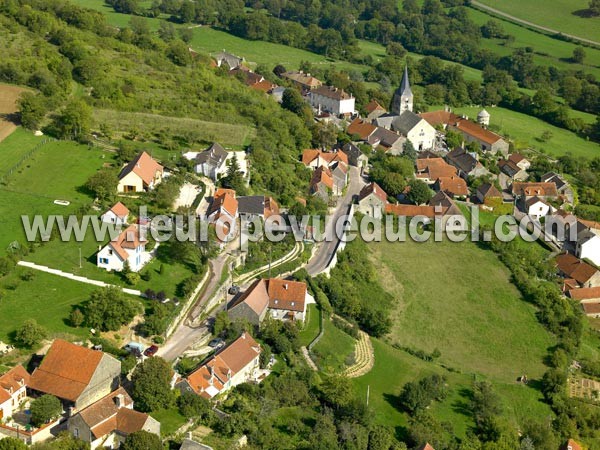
(80, 257)
(270, 250)
(368, 392)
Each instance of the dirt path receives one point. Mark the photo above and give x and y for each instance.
(365, 357)
(531, 24)
(8, 107)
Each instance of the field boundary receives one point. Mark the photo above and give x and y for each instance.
(530, 25)
(25, 157)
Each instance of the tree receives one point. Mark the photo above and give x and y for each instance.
(152, 385)
(11, 443)
(108, 309)
(179, 53)
(409, 151)
(419, 192)
(103, 184)
(76, 318)
(142, 440)
(279, 70)
(30, 334)
(292, 100)
(234, 178)
(166, 30)
(192, 405)
(74, 121)
(594, 7)
(578, 55)
(33, 109)
(395, 49)
(44, 409)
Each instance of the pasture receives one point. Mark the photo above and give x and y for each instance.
(8, 107)
(526, 132)
(567, 16)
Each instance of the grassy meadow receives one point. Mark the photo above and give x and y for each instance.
(334, 350)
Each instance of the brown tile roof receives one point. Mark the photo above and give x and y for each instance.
(410, 210)
(66, 370)
(97, 414)
(304, 79)
(454, 185)
(119, 210)
(129, 238)
(12, 381)
(531, 189)
(488, 190)
(224, 198)
(445, 205)
(224, 364)
(285, 294)
(263, 86)
(533, 200)
(516, 158)
(125, 421)
(475, 130)
(575, 268)
(373, 105)
(361, 128)
(322, 175)
(271, 207)
(256, 297)
(332, 92)
(373, 188)
(434, 168)
(571, 445)
(585, 293)
(441, 117)
(426, 447)
(590, 224)
(309, 155)
(144, 166)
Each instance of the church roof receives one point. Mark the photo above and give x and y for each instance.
(404, 88)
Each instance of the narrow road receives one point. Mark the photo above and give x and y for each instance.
(326, 250)
(531, 24)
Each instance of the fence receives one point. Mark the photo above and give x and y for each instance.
(24, 158)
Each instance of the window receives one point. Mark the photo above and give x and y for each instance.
(110, 252)
(76, 432)
(103, 260)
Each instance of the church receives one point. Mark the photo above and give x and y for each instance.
(403, 120)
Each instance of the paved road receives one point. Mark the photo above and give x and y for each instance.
(324, 253)
(531, 24)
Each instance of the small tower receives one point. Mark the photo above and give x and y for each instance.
(403, 97)
(483, 118)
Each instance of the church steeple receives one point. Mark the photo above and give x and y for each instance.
(403, 97)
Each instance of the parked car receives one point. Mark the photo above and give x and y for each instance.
(151, 351)
(234, 290)
(216, 343)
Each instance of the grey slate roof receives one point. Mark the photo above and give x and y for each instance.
(188, 444)
(406, 122)
(213, 155)
(385, 120)
(462, 160)
(251, 204)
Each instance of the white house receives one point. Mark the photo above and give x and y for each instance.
(588, 246)
(129, 246)
(223, 213)
(13, 386)
(332, 99)
(537, 208)
(235, 364)
(117, 214)
(141, 174)
(416, 129)
(214, 161)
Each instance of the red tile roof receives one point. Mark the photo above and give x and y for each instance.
(531, 189)
(575, 268)
(516, 158)
(129, 238)
(361, 128)
(256, 297)
(434, 168)
(441, 117)
(426, 447)
(373, 105)
(476, 131)
(144, 166)
(225, 199)
(66, 370)
(373, 188)
(410, 210)
(454, 185)
(585, 293)
(120, 210)
(309, 155)
(285, 294)
(571, 445)
(12, 381)
(322, 175)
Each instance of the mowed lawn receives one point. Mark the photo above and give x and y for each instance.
(333, 353)
(526, 130)
(15, 147)
(46, 298)
(311, 325)
(458, 298)
(556, 14)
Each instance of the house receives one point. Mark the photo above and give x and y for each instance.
(512, 170)
(544, 191)
(372, 200)
(430, 169)
(416, 129)
(108, 422)
(537, 208)
(571, 445)
(331, 99)
(473, 132)
(374, 110)
(401, 210)
(583, 274)
(141, 174)
(13, 390)
(489, 194)
(313, 158)
(440, 118)
(77, 375)
(129, 246)
(283, 299)
(466, 164)
(210, 162)
(520, 161)
(588, 246)
(587, 294)
(339, 173)
(260, 206)
(361, 129)
(426, 446)
(117, 214)
(303, 80)
(321, 183)
(387, 140)
(235, 364)
(454, 186)
(227, 59)
(444, 205)
(223, 212)
(188, 444)
(355, 156)
(564, 189)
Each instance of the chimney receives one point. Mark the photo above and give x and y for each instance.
(285, 286)
(119, 400)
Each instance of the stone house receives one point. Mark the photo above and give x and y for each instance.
(333, 100)
(466, 164)
(13, 390)
(372, 200)
(580, 273)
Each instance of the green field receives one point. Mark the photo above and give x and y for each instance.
(462, 302)
(46, 298)
(15, 146)
(333, 352)
(556, 14)
(170, 420)
(548, 51)
(525, 131)
(311, 325)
